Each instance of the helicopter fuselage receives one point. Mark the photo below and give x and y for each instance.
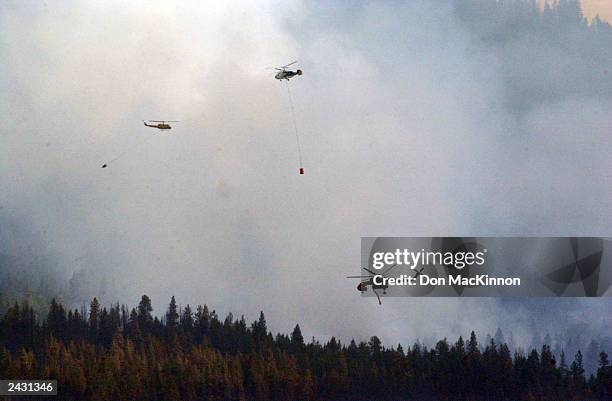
(363, 286)
(159, 126)
(286, 74)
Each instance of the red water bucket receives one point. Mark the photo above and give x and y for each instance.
(301, 170)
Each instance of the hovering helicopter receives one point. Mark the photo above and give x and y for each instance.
(284, 73)
(163, 124)
(369, 281)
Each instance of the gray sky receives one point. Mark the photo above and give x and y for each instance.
(410, 123)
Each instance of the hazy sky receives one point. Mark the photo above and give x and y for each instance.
(410, 126)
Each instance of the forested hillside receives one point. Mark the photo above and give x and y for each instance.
(123, 354)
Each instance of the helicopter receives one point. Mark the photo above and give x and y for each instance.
(369, 281)
(284, 73)
(163, 124)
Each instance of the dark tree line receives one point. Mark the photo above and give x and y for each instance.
(123, 354)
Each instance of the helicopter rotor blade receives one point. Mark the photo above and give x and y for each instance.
(358, 276)
(370, 271)
(285, 66)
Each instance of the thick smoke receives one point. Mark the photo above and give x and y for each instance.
(423, 119)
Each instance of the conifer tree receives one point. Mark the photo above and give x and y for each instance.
(144, 312)
(172, 314)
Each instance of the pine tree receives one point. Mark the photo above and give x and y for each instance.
(187, 319)
(603, 381)
(472, 345)
(297, 340)
(577, 367)
(94, 316)
(260, 331)
(577, 373)
(133, 326)
(375, 346)
(172, 315)
(144, 312)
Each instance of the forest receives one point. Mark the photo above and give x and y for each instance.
(119, 353)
